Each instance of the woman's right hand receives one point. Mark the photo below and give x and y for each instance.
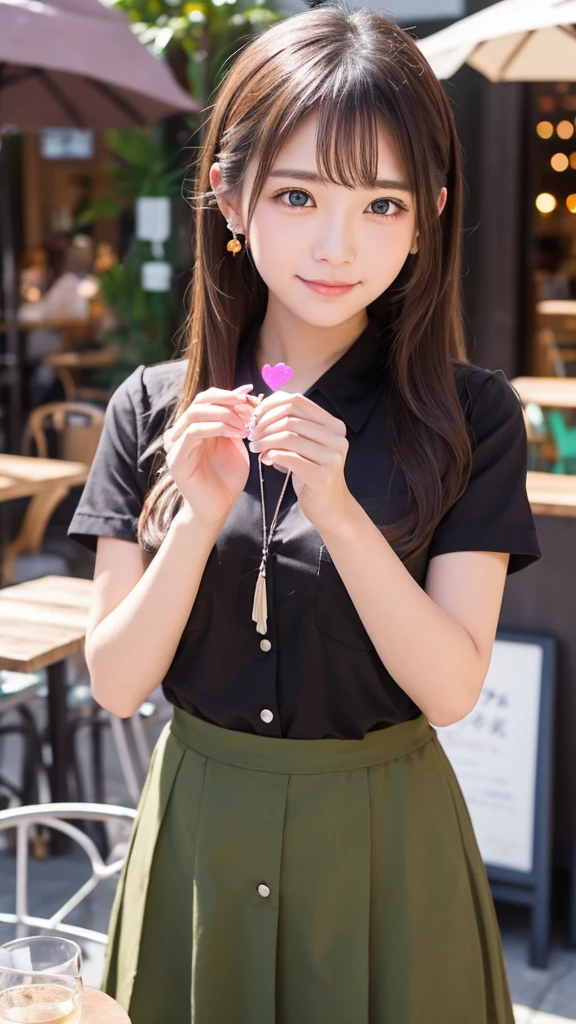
(205, 452)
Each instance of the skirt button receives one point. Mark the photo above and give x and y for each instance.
(263, 890)
(265, 645)
(266, 715)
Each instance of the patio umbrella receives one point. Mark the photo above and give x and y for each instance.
(77, 64)
(70, 64)
(511, 41)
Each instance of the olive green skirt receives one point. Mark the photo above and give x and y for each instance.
(278, 881)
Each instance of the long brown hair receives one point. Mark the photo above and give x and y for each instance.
(350, 67)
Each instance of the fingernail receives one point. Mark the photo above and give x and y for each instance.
(244, 387)
(252, 446)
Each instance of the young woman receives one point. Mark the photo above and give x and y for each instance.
(302, 853)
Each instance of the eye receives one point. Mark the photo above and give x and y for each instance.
(297, 199)
(388, 207)
(301, 197)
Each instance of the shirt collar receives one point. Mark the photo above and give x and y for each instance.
(352, 384)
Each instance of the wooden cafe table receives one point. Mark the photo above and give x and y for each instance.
(99, 1008)
(552, 392)
(24, 475)
(46, 481)
(43, 621)
(552, 494)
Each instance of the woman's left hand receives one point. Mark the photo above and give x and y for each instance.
(293, 433)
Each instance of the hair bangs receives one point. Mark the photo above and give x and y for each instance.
(347, 140)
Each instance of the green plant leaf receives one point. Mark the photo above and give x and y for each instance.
(100, 209)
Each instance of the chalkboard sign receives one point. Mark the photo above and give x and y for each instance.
(502, 757)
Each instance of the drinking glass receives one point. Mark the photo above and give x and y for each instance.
(47, 954)
(28, 997)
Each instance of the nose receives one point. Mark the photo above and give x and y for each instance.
(334, 243)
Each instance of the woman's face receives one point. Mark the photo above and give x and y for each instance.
(305, 230)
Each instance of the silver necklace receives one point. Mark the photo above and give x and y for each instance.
(260, 604)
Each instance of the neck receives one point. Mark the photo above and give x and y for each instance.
(307, 349)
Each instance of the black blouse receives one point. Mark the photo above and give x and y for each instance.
(316, 673)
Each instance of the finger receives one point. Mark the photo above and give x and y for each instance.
(244, 409)
(278, 405)
(217, 396)
(211, 393)
(287, 461)
(195, 433)
(221, 395)
(295, 425)
(239, 399)
(198, 412)
(319, 453)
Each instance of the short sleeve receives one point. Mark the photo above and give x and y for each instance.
(113, 495)
(493, 513)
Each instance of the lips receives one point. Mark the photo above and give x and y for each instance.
(329, 284)
(331, 288)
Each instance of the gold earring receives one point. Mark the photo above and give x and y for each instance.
(233, 245)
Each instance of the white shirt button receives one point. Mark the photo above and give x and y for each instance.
(266, 715)
(263, 890)
(265, 645)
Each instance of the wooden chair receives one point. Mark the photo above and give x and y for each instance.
(541, 446)
(70, 366)
(556, 349)
(564, 357)
(78, 426)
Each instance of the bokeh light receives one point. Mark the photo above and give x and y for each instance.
(571, 202)
(565, 130)
(559, 162)
(545, 129)
(545, 202)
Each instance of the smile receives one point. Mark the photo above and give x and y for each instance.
(327, 289)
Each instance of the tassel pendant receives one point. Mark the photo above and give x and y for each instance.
(260, 605)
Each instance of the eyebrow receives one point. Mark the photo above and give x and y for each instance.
(313, 176)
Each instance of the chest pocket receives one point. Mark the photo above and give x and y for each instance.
(336, 615)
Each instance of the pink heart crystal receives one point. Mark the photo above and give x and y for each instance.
(276, 376)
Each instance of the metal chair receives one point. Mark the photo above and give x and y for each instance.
(59, 817)
(16, 690)
(86, 714)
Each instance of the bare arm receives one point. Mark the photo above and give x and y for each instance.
(139, 609)
(437, 642)
(141, 604)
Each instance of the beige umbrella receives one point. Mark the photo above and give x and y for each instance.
(511, 41)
